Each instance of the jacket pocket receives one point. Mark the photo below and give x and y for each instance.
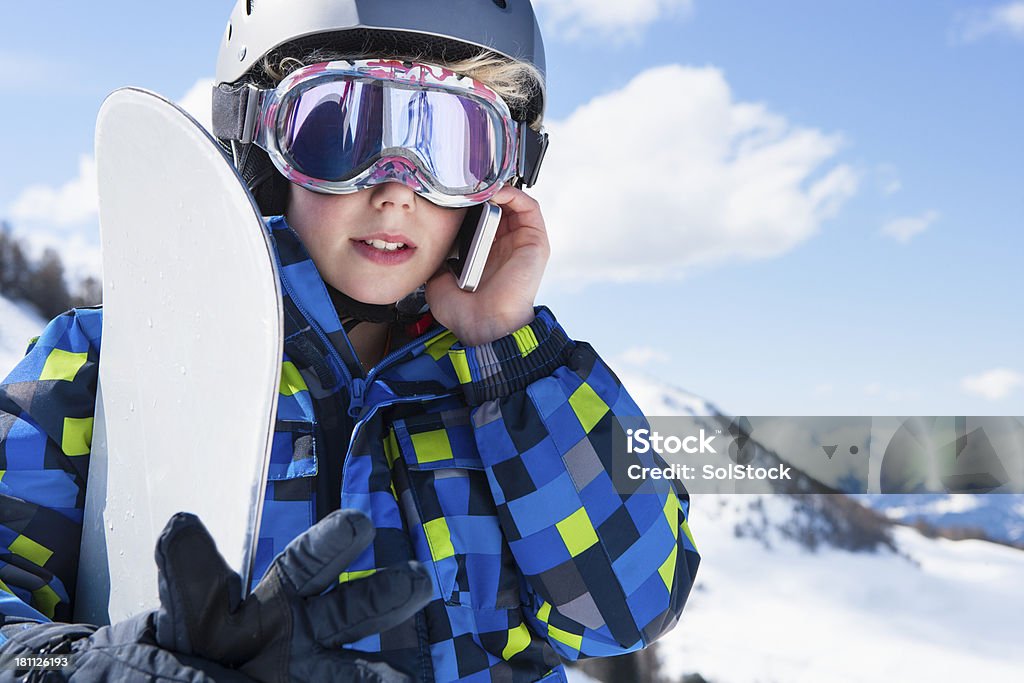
(294, 450)
(454, 511)
(289, 504)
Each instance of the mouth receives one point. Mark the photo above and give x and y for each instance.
(386, 242)
(381, 245)
(385, 249)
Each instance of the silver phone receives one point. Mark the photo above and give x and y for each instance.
(473, 244)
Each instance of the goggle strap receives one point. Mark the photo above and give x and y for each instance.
(235, 112)
(532, 148)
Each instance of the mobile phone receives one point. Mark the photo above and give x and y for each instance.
(473, 244)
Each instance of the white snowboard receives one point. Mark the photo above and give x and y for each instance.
(191, 356)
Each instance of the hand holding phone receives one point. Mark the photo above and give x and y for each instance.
(515, 253)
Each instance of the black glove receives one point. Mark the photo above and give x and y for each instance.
(288, 629)
(126, 651)
(284, 631)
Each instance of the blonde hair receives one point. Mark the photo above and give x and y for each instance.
(516, 82)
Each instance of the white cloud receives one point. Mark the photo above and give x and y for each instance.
(671, 173)
(198, 102)
(905, 229)
(615, 19)
(993, 384)
(79, 251)
(65, 205)
(888, 179)
(1006, 19)
(643, 355)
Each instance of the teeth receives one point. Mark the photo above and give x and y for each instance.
(384, 246)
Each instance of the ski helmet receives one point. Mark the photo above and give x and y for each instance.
(438, 30)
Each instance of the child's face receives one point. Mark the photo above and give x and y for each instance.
(334, 229)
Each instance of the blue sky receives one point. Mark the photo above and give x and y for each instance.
(720, 180)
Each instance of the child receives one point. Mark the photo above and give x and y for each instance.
(467, 426)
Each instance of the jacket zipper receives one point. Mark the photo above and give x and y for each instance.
(357, 392)
(359, 385)
(358, 389)
(356, 385)
(362, 419)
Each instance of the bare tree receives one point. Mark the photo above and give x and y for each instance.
(47, 290)
(88, 293)
(41, 284)
(14, 266)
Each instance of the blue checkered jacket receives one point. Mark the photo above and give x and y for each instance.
(489, 464)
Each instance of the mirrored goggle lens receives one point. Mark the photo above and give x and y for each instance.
(335, 130)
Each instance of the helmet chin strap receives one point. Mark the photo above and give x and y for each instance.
(407, 310)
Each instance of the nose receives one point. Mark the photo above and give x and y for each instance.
(397, 180)
(395, 194)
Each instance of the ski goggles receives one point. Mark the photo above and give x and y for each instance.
(339, 127)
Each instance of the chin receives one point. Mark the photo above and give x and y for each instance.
(377, 295)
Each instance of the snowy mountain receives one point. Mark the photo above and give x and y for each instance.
(657, 398)
(18, 324)
(795, 587)
(934, 610)
(999, 517)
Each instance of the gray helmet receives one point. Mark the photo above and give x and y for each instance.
(442, 30)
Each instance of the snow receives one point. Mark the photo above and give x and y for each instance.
(939, 610)
(770, 611)
(577, 676)
(1000, 516)
(18, 323)
(938, 505)
(656, 398)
